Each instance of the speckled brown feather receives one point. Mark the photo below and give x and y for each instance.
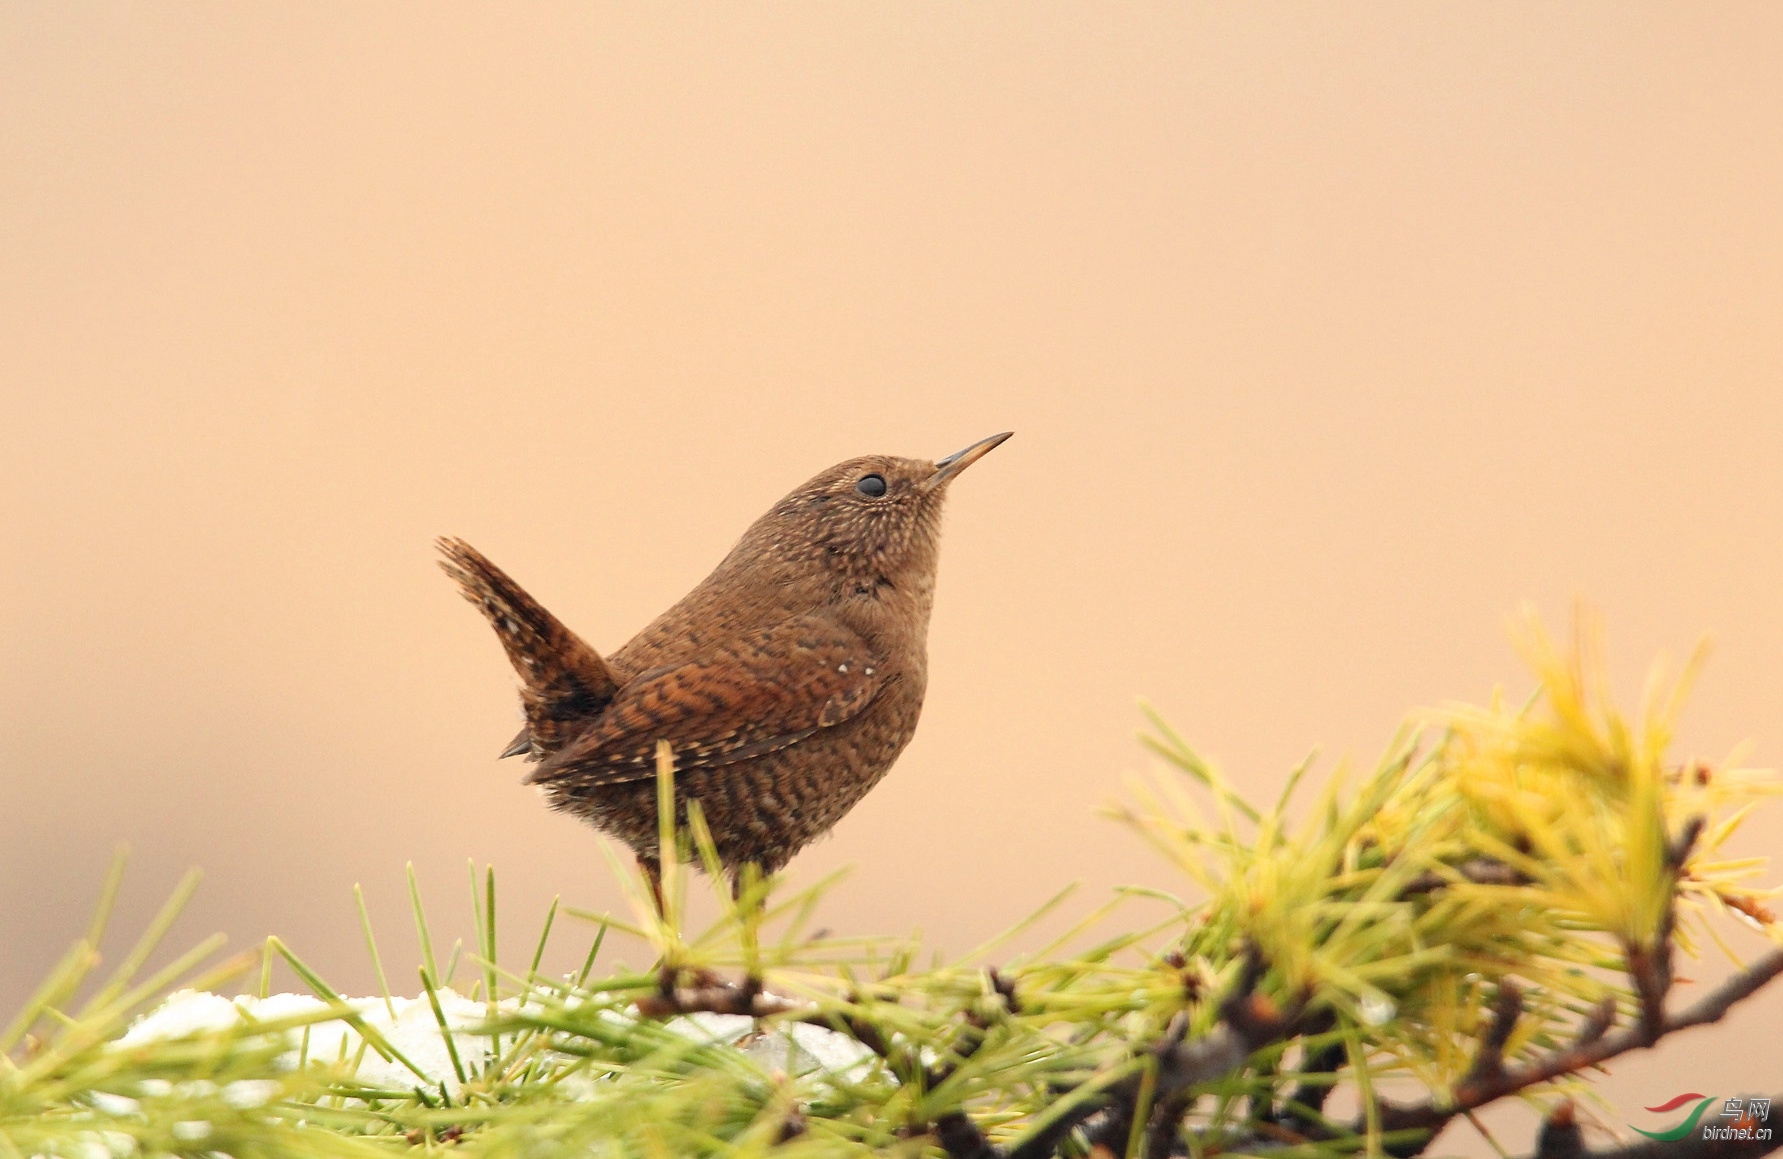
(743, 697)
(787, 682)
(563, 682)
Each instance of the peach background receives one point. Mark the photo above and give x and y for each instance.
(1329, 335)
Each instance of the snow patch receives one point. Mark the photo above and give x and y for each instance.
(410, 1027)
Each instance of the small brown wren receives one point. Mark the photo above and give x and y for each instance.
(786, 683)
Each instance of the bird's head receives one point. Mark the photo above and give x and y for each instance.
(875, 520)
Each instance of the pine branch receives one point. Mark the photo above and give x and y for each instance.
(1249, 1021)
(1561, 1139)
(712, 995)
(1478, 1089)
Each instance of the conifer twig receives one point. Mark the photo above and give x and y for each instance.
(1560, 1139)
(1248, 1022)
(1476, 1091)
(713, 995)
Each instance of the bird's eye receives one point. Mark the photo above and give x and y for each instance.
(872, 486)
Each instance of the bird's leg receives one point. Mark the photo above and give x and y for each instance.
(651, 868)
(741, 878)
(667, 972)
(748, 921)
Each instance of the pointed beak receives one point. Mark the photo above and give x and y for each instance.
(947, 468)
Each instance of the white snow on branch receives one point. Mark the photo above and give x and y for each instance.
(414, 1032)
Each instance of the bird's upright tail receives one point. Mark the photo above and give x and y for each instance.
(563, 682)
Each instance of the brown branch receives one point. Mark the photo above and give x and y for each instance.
(1507, 1007)
(1650, 966)
(958, 1135)
(1599, 1024)
(1306, 1102)
(1478, 870)
(1678, 852)
(712, 995)
(1164, 1130)
(1560, 1139)
(1474, 1092)
(1248, 1022)
(1650, 969)
(1561, 1136)
(1109, 1129)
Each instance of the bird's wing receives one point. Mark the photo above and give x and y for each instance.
(738, 699)
(564, 683)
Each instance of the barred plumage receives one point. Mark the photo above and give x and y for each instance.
(787, 682)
